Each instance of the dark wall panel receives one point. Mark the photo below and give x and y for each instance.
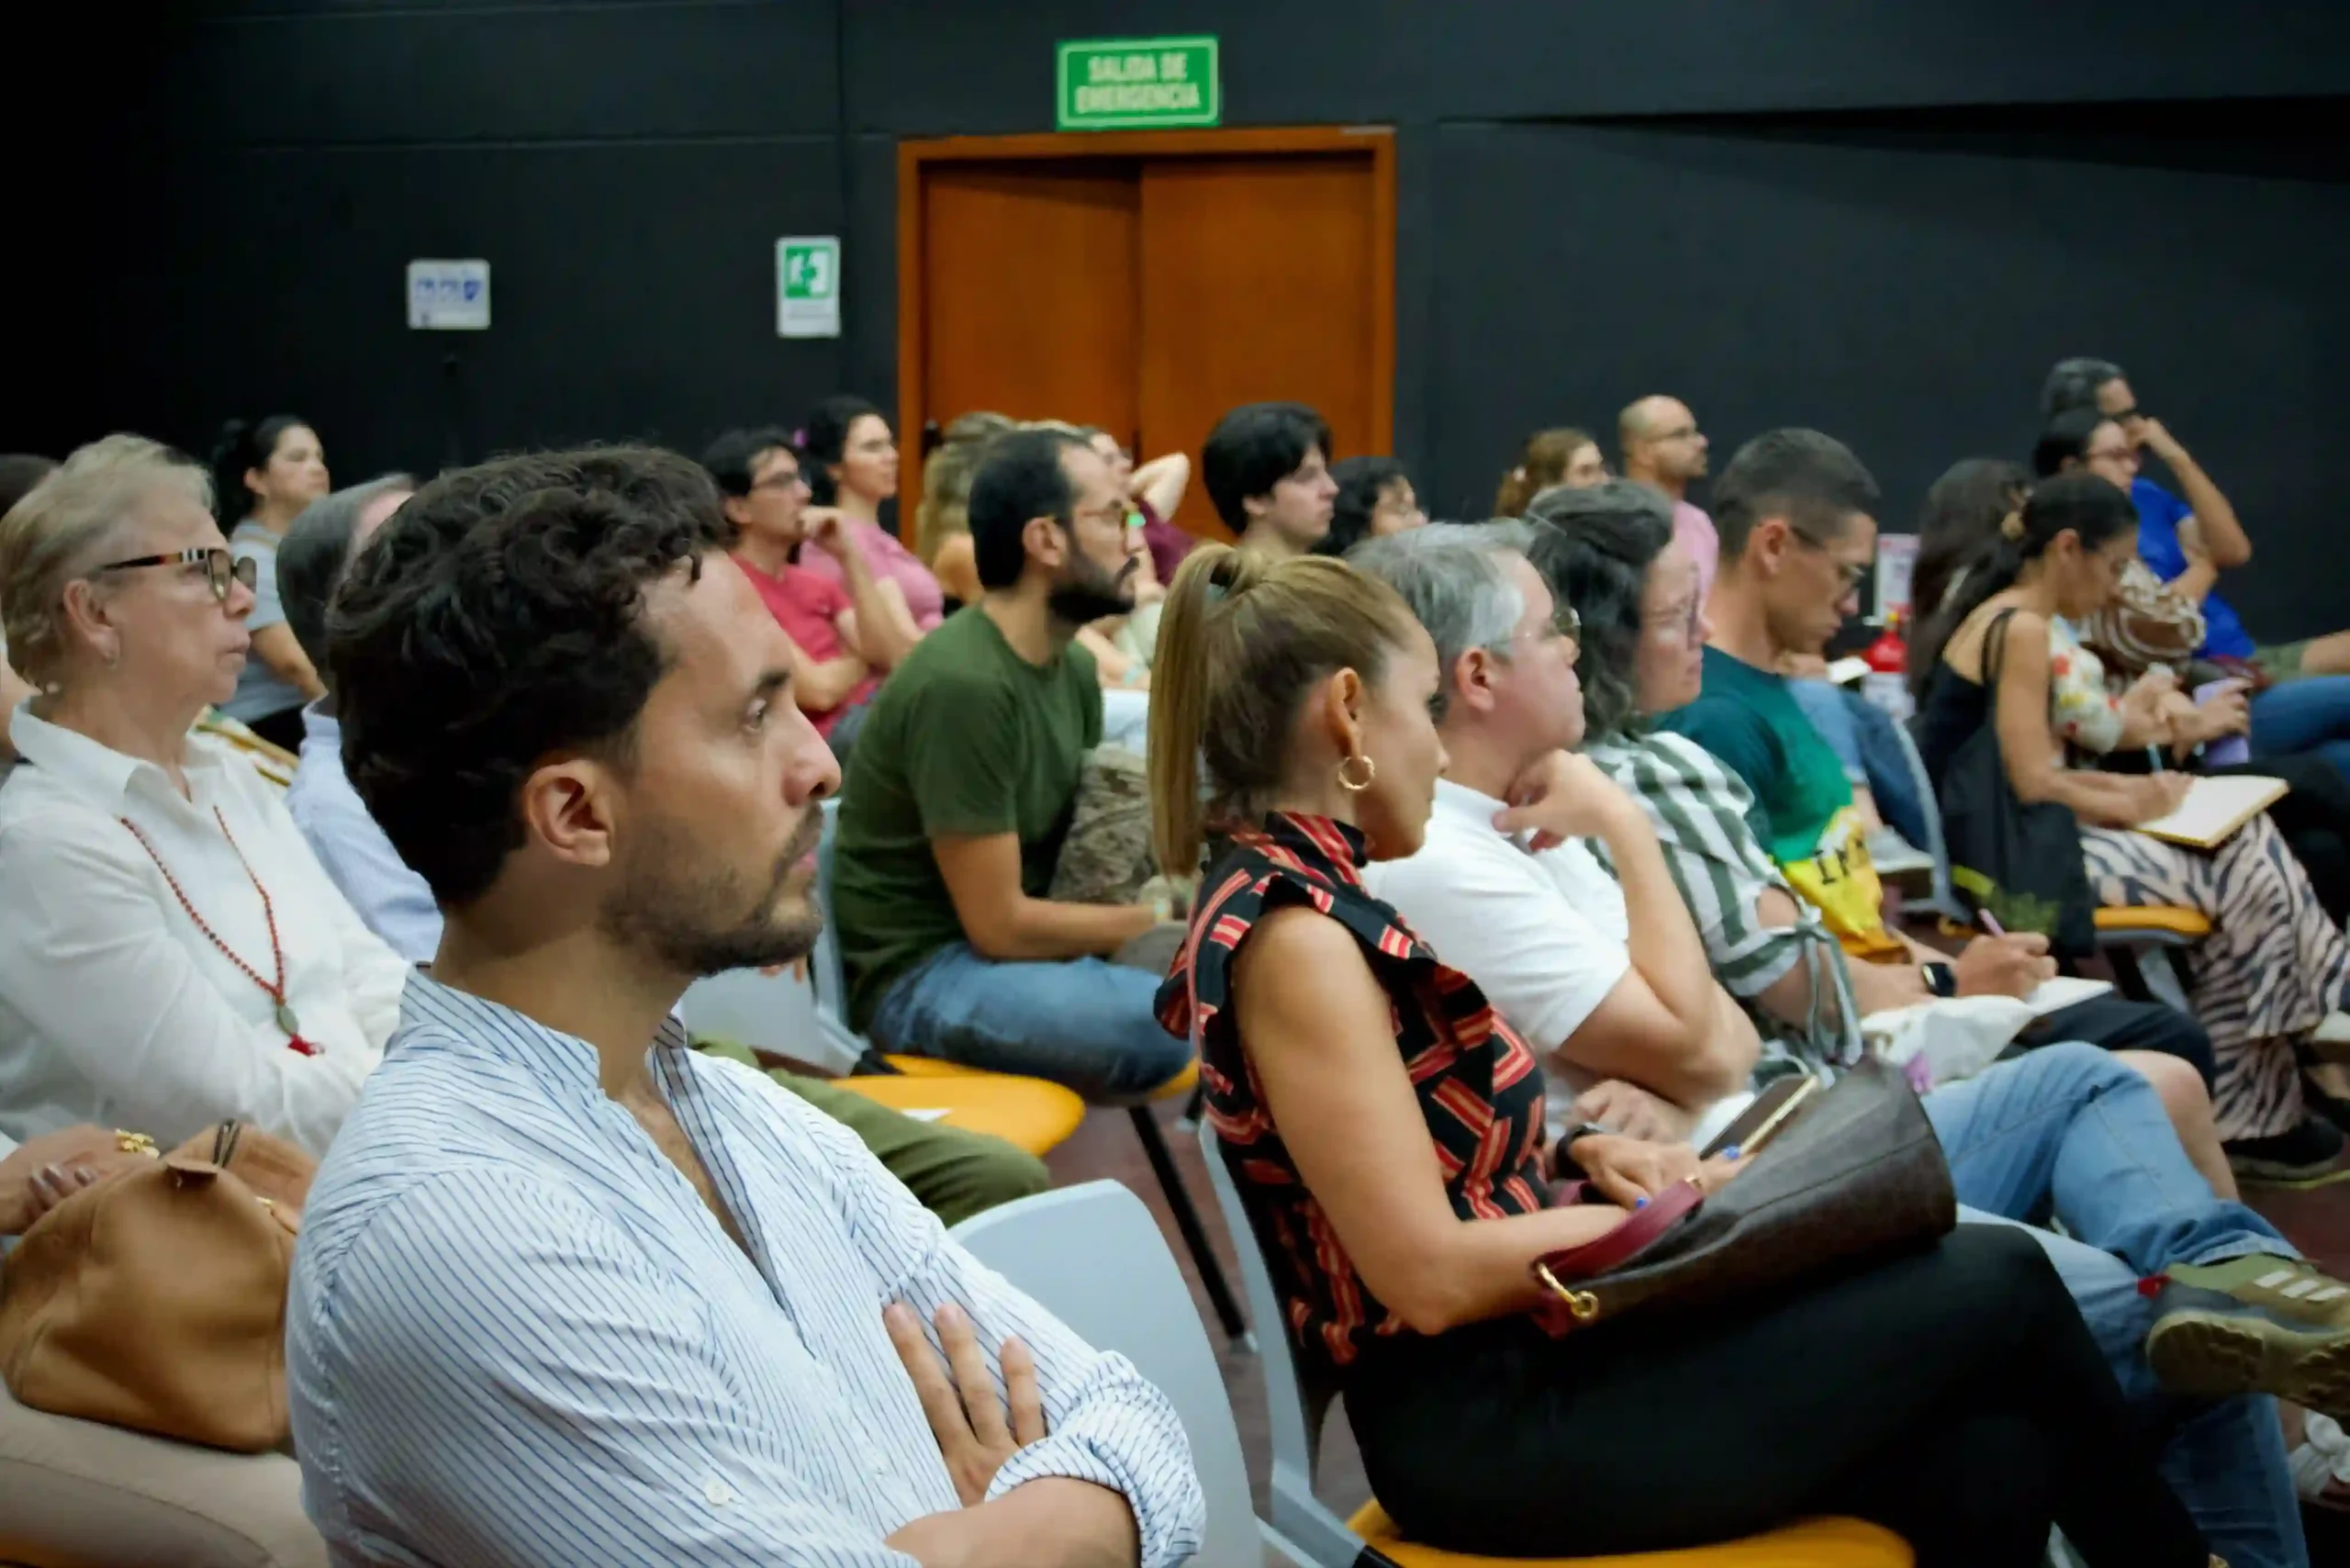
(631, 290)
(1905, 294)
(376, 72)
(1883, 218)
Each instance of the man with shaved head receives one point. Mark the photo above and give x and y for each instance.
(1665, 450)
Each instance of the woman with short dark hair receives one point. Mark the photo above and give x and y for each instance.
(264, 473)
(850, 461)
(1375, 499)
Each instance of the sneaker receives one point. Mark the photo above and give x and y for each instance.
(2309, 1152)
(2262, 1324)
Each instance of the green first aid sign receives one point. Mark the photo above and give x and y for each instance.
(808, 286)
(1138, 83)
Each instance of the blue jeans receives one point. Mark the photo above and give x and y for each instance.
(1860, 734)
(2068, 1131)
(1081, 1021)
(2311, 714)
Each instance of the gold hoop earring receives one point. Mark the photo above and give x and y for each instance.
(1369, 773)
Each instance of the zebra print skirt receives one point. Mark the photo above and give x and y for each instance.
(2271, 968)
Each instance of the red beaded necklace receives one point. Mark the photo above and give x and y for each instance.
(286, 1018)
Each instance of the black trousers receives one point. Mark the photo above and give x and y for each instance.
(2118, 1024)
(1953, 1396)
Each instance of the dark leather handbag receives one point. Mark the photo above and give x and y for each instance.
(1856, 1174)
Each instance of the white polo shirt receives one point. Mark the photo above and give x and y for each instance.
(1543, 936)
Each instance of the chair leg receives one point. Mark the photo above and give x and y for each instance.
(2127, 977)
(1187, 1220)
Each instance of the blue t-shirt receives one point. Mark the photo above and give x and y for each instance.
(2159, 515)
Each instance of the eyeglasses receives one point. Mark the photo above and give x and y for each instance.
(2111, 454)
(1676, 623)
(1565, 622)
(221, 568)
(1850, 574)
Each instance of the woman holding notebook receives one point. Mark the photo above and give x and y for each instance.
(2274, 966)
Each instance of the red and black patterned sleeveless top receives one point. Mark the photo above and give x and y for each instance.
(1480, 1089)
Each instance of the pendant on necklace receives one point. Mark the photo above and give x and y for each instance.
(287, 1021)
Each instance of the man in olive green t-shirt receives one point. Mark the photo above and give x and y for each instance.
(960, 792)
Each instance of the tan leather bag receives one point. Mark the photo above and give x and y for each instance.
(156, 1300)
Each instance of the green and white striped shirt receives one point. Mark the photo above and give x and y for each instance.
(1701, 813)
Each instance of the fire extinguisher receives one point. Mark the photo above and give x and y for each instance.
(1887, 681)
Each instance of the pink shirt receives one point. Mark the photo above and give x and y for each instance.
(891, 562)
(808, 608)
(1693, 530)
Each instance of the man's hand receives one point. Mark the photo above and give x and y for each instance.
(2156, 439)
(1627, 1108)
(975, 1432)
(2013, 965)
(45, 1170)
(1566, 795)
(828, 531)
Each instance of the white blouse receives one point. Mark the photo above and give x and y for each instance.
(115, 1008)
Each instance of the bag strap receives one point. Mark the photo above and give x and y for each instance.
(1994, 643)
(1627, 1241)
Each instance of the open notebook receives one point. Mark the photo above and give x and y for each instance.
(2215, 808)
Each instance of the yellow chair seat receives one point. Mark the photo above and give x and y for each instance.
(1182, 1082)
(2150, 919)
(1816, 1543)
(1027, 1112)
(931, 1066)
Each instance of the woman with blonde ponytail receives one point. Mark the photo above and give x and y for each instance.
(1385, 1128)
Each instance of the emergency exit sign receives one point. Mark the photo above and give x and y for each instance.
(1138, 83)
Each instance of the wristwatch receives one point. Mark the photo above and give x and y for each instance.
(1940, 979)
(1562, 1159)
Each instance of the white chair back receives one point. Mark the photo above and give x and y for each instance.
(1303, 1526)
(1092, 1256)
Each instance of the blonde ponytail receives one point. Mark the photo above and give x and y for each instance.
(1240, 641)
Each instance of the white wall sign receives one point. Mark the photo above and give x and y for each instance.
(448, 296)
(808, 286)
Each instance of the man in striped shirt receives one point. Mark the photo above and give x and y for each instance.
(569, 1293)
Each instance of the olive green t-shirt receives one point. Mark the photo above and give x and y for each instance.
(966, 738)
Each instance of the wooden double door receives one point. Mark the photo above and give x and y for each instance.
(1145, 283)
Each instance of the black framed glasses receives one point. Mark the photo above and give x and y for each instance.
(221, 568)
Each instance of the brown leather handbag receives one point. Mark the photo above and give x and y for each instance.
(1857, 1174)
(156, 1299)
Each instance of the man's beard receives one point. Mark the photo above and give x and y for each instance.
(1083, 599)
(705, 924)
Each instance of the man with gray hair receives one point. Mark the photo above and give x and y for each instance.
(1607, 979)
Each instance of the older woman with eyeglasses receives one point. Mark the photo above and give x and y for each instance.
(171, 953)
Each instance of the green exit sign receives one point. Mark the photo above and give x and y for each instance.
(1138, 83)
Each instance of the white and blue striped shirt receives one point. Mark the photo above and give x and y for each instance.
(517, 1334)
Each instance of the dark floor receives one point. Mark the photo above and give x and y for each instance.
(1104, 1146)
